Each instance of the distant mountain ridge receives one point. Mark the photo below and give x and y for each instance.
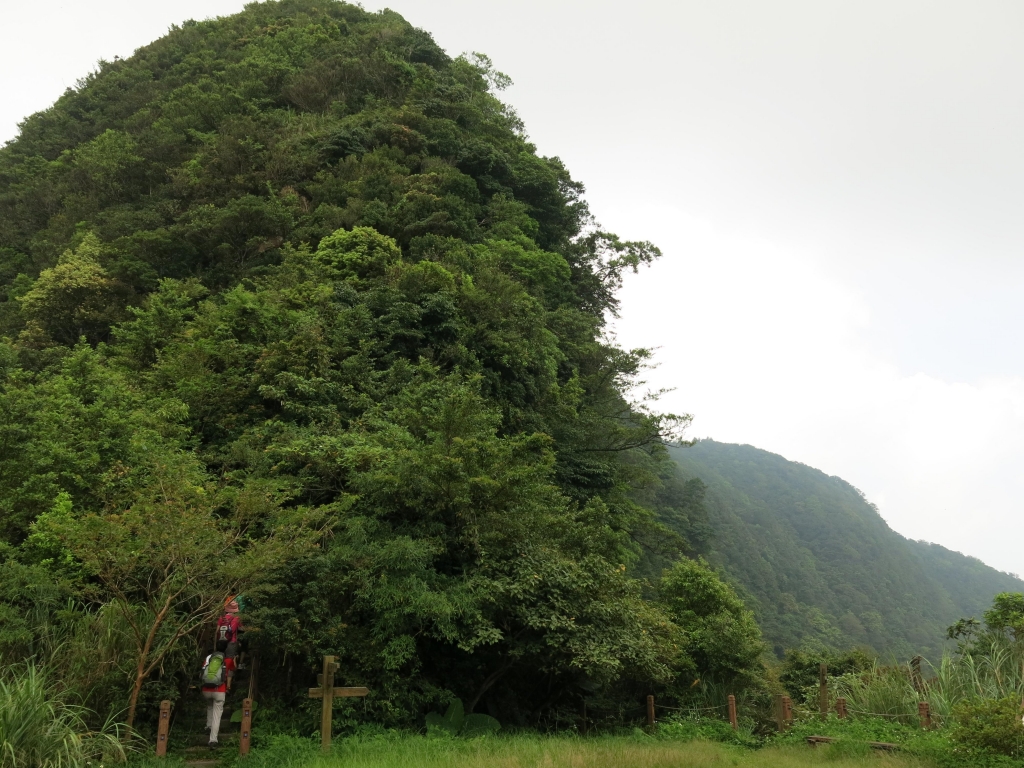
(820, 565)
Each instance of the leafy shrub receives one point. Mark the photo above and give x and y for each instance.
(707, 729)
(990, 725)
(455, 722)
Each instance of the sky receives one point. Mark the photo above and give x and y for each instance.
(837, 188)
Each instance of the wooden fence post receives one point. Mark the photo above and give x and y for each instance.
(780, 712)
(732, 712)
(650, 711)
(787, 710)
(243, 740)
(327, 706)
(823, 690)
(924, 712)
(841, 708)
(163, 726)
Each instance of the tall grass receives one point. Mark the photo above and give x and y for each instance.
(40, 729)
(993, 673)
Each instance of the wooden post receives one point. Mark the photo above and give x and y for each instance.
(823, 690)
(732, 712)
(924, 712)
(780, 713)
(650, 711)
(163, 726)
(327, 709)
(841, 708)
(787, 711)
(327, 692)
(243, 740)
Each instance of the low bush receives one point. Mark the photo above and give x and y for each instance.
(989, 725)
(708, 729)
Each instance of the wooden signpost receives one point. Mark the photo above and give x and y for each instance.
(163, 725)
(327, 692)
(246, 735)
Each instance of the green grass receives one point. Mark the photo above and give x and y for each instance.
(638, 751)
(40, 729)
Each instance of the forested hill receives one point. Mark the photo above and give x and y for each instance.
(820, 563)
(290, 306)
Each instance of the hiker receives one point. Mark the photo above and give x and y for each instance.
(228, 627)
(216, 681)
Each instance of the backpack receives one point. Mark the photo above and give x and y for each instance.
(226, 629)
(213, 670)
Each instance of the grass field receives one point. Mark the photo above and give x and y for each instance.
(556, 752)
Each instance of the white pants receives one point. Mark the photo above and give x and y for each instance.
(214, 711)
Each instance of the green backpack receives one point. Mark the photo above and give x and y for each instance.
(213, 671)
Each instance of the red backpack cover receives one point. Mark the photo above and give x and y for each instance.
(227, 628)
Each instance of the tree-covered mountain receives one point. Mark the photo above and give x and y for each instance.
(290, 305)
(820, 565)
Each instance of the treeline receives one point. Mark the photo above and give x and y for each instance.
(292, 307)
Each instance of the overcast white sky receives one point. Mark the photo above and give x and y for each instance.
(837, 186)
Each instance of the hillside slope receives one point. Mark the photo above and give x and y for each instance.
(820, 563)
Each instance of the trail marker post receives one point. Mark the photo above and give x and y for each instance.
(732, 712)
(650, 711)
(245, 737)
(787, 711)
(163, 726)
(327, 692)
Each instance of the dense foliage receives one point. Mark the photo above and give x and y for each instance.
(818, 564)
(293, 307)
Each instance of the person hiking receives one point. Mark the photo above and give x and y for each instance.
(228, 627)
(216, 682)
